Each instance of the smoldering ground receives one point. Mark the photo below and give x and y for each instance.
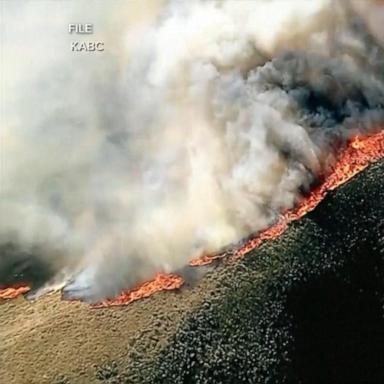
(197, 126)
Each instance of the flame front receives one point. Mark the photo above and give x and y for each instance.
(161, 282)
(14, 291)
(359, 152)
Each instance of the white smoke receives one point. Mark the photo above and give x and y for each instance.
(181, 138)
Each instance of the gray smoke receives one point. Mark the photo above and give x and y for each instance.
(201, 122)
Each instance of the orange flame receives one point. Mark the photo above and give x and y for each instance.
(358, 154)
(206, 259)
(161, 282)
(14, 291)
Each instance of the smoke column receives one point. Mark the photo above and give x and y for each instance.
(197, 126)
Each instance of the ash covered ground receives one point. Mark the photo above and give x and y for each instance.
(305, 308)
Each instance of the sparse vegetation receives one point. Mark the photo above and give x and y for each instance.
(109, 373)
(61, 379)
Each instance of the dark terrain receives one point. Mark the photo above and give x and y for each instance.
(306, 307)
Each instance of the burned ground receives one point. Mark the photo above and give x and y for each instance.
(304, 308)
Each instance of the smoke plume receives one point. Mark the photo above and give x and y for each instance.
(198, 125)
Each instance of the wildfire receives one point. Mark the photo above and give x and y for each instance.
(359, 152)
(206, 259)
(14, 291)
(161, 282)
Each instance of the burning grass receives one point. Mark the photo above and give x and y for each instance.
(14, 291)
(358, 154)
(161, 282)
(305, 307)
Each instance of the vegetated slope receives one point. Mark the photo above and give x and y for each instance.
(305, 308)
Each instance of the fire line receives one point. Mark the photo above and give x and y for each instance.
(359, 152)
(357, 155)
(14, 291)
(161, 282)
